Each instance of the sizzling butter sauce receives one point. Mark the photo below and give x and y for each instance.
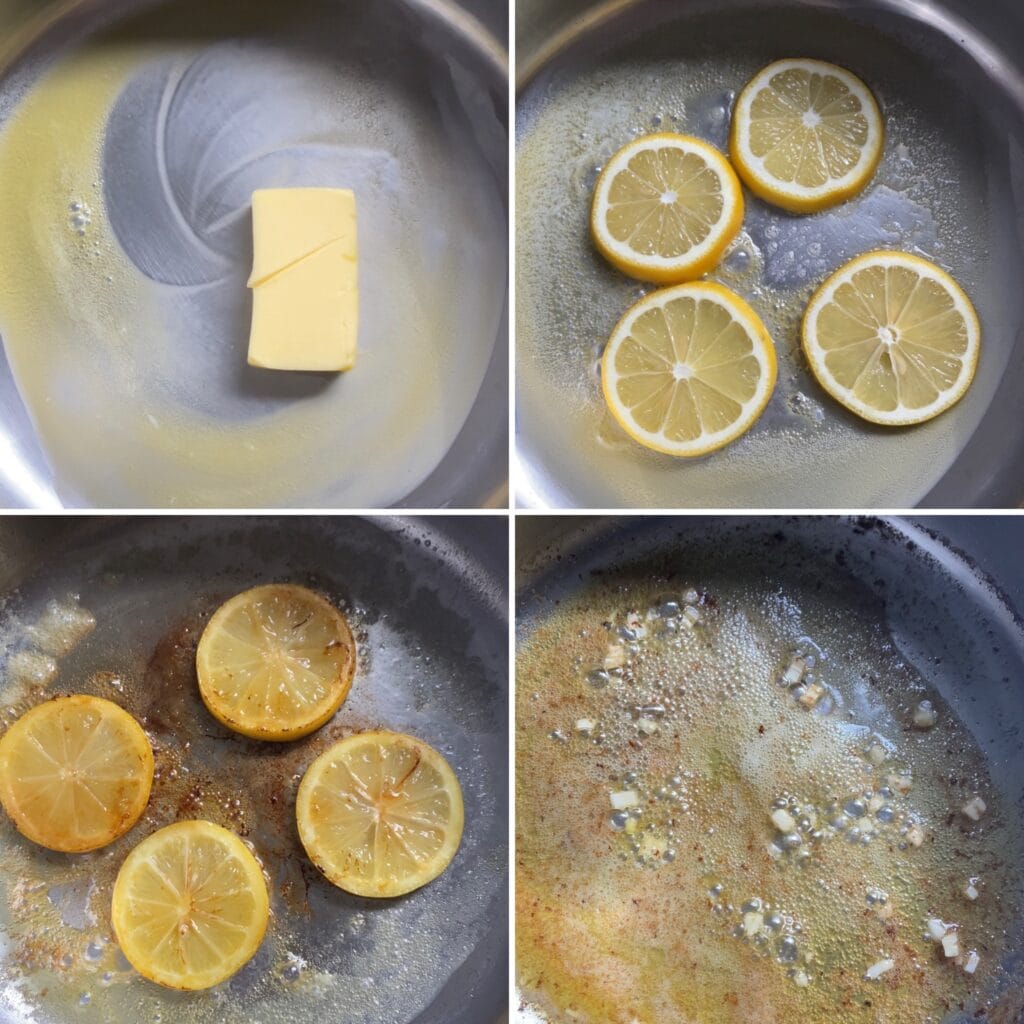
(693, 904)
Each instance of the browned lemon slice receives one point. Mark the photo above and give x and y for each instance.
(75, 773)
(275, 662)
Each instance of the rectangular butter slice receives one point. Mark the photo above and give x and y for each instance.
(304, 279)
(305, 317)
(289, 224)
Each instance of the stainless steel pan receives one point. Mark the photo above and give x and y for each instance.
(427, 599)
(950, 78)
(950, 591)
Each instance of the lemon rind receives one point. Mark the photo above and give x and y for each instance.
(764, 350)
(815, 355)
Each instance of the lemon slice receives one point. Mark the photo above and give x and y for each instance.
(805, 135)
(665, 208)
(190, 905)
(688, 369)
(380, 814)
(892, 337)
(75, 773)
(275, 662)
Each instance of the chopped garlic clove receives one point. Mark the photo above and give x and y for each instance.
(584, 725)
(783, 820)
(971, 889)
(900, 783)
(615, 658)
(624, 798)
(631, 826)
(876, 970)
(801, 979)
(915, 835)
(975, 808)
(813, 692)
(925, 716)
(876, 753)
(876, 803)
(648, 726)
(794, 673)
(691, 614)
(936, 929)
(972, 962)
(951, 943)
(753, 922)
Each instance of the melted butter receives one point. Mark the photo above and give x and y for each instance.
(137, 384)
(638, 927)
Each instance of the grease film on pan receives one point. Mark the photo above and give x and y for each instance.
(126, 246)
(768, 769)
(591, 77)
(116, 608)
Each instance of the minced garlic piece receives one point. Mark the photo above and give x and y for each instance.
(975, 808)
(648, 726)
(783, 820)
(794, 673)
(972, 962)
(876, 970)
(624, 798)
(876, 753)
(801, 979)
(936, 928)
(951, 943)
(915, 835)
(584, 725)
(900, 783)
(925, 716)
(971, 889)
(753, 922)
(615, 658)
(811, 695)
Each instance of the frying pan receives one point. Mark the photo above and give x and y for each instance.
(126, 247)
(949, 591)
(427, 601)
(949, 75)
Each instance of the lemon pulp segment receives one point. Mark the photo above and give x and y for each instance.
(806, 135)
(380, 814)
(688, 369)
(665, 208)
(275, 662)
(892, 337)
(190, 905)
(75, 773)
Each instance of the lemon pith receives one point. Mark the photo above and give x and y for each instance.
(75, 773)
(665, 208)
(892, 337)
(805, 135)
(380, 814)
(688, 369)
(190, 905)
(275, 662)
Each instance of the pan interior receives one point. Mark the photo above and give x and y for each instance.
(432, 646)
(953, 107)
(131, 139)
(894, 618)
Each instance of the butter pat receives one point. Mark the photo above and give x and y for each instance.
(304, 280)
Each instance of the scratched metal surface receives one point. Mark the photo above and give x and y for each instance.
(427, 599)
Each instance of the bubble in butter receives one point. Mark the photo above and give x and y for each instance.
(125, 237)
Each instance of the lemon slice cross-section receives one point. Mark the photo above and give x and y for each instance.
(275, 662)
(665, 208)
(75, 773)
(190, 905)
(380, 814)
(806, 135)
(892, 337)
(688, 369)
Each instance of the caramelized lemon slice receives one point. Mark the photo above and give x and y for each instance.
(665, 208)
(190, 905)
(380, 814)
(688, 369)
(275, 662)
(75, 773)
(892, 337)
(805, 135)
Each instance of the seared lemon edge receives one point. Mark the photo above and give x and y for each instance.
(823, 295)
(703, 257)
(764, 350)
(325, 859)
(795, 198)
